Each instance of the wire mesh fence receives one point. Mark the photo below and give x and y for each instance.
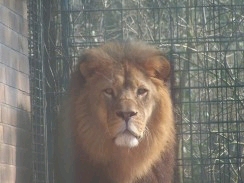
(37, 89)
(205, 41)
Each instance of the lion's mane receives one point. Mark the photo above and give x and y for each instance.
(111, 82)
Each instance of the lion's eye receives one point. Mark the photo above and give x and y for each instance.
(142, 91)
(109, 91)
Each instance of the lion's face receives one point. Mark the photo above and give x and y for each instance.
(123, 101)
(121, 94)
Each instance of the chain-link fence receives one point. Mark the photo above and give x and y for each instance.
(205, 41)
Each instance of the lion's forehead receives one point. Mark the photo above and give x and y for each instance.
(121, 76)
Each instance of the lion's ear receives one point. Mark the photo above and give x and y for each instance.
(88, 69)
(92, 62)
(88, 65)
(158, 67)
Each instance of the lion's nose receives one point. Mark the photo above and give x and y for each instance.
(126, 115)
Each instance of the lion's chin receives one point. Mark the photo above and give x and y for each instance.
(126, 140)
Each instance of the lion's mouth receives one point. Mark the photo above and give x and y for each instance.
(130, 132)
(127, 138)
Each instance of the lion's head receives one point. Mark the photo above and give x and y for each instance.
(119, 92)
(120, 114)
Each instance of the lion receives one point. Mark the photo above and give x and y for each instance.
(120, 126)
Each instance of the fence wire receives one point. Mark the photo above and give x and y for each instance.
(37, 89)
(205, 41)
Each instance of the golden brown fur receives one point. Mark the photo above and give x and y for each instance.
(121, 127)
